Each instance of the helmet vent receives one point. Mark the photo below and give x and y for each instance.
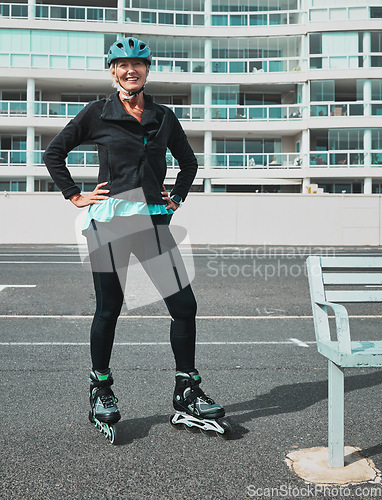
(119, 45)
(131, 43)
(142, 46)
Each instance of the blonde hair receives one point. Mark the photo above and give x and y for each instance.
(114, 84)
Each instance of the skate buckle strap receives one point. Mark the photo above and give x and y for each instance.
(101, 383)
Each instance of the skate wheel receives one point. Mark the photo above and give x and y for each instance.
(91, 417)
(174, 426)
(227, 430)
(207, 433)
(191, 430)
(112, 434)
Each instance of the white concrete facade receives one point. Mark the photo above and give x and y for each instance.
(214, 218)
(275, 95)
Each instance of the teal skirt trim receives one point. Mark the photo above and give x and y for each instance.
(104, 212)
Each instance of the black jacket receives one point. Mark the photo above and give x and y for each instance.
(125, 161)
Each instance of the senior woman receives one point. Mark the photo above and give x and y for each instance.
(128, 213)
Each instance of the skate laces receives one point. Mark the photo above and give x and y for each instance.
(108, 400)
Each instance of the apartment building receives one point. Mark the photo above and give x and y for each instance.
(279, 96)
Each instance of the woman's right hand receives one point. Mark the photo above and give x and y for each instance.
(92, 198)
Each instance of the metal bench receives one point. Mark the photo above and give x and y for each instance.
(361, 274)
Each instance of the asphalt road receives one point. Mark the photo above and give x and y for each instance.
(251, 303)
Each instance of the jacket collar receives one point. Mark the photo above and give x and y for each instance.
(113, 110)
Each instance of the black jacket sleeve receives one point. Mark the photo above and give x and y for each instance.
(181, 150)
(75, 133)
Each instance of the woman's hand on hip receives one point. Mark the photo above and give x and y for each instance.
(166, 197)
(95, 197)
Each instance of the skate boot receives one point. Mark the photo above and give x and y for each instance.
(103, 404)
(195, 410)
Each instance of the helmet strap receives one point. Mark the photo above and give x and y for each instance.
(127, 96)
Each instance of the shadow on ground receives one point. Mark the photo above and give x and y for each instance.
(288, 398)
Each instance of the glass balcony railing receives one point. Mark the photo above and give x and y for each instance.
(148, 16)
(345, 61)
(264, 18)
(376, 157)
(13, 108)
(172, 163)
(260, 65)
(267, 161)
(339, 13)
(43, 109)
(337, 159)
(254, 113)
(337, 109)
(54, 109)
(12, 157)
(216, 160)
(74, 159)
(160, 64)
(52, 61)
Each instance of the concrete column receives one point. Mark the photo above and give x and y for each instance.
(207, 149)
(367, 162)
(306, 100)
(304, 11)
(207, 12)
(368, 185)
(305, 184)
(207, 160)
(366, 49)
(30, 184)
(207, 186)
(31, 9)
(208, 56)
(31, 87)
(305, 148)
(304, 56)
(367, 97)
(120, 12)
(30, 157)
(207, 102)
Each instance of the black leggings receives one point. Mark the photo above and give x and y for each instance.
(110, 260)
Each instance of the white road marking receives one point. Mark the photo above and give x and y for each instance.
(74, 316)
(2, 287)
(38, 262)
(299, 342)
(254, 342)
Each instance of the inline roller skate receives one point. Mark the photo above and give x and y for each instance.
(103, 412)
(195, 411)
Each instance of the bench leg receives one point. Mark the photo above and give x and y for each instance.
(336, 396)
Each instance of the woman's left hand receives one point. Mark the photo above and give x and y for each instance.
(170, 204)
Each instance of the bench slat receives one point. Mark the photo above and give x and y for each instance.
(352, 278)
(353, 296)
(356, 262)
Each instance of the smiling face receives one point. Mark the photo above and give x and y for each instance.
(131, 74)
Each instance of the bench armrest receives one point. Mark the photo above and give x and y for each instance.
(342, 325)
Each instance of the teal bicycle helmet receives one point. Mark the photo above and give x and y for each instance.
(129, 47)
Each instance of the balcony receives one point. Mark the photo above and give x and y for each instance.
(267, 161)
(233, 113)
(74, 159)
(227, 113)
(345, 61)
(337, 159)
(339, 13)
(46, 109)
(332, 108)
(157, 17)
(78, 158)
